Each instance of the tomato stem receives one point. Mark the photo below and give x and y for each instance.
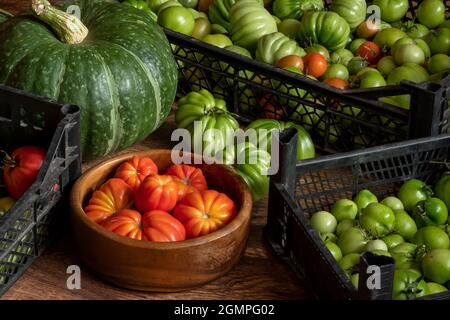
(8, 161)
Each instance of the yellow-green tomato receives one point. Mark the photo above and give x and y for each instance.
(393, 202)
(364, 198)
(289, 27)
(344, 225)
(334, 250)
(352, 240)
(344, 209)
(177, 18)
(376, 245)
(218, 40)
(436, 265)
(329, 237)
(405, 225)
(393, 240)
(434, 287)
(378, 219)
(438, 63)
(431, 13)
(323, 222)
(386, 64)
(349, 263)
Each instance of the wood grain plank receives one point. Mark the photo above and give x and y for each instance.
(259, 275)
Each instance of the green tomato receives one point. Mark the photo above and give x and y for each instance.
(376, 245)
(344, 209)
(436, 265)
(431, 13)
(289, 27)
(320, 49)
(438, 63)
(363, 199)
(439, 41)
(409, 53)
(408, 284)
(378, 219)
(201, 29)
(336, 70)
(178, 19)
(432, 238)
(294, 9)
(168, 4)
(329, 237)
(323, 222)
(218, 40)
(356, 64)
(412, 192)
(334, 250)
(355, 279)
(387, 37)
(442, 189)
(393, 202)
(392, 10)
(353, 11)
(344, 225)
(404, 255)
(386, 64)
(275, 46)
(404, 225)
(370, 79)
(189, 3)
(355, 44)
(393, 240)
(430, 212)
(352, 240)
(350, 263)
(415, 30)
(342, 56)
(381, 253)
(434, 288)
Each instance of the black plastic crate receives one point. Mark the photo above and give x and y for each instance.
(338, 120)
(38, 216)
(305, 187)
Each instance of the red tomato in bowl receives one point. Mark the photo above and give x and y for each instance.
(157, 193)
(203, 212)
(135, 170)
(110, 198)
(21, 168)
(190, 178)
(369, 51)
(126, 223)
(160, 226)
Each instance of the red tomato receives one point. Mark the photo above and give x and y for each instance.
(293, 61)
(191, 178)
(337, 83)
(157, 193)
(110, 198)
(270, 109)
(369, 51)
(20, 169)
(160, 226)
(315, 64)
(135, 170)
(126, 223)
(203, 212)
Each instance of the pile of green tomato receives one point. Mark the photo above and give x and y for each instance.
(411, 227)
(341, 45)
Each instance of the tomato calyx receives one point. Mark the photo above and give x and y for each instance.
(8, 161)
(412, 289)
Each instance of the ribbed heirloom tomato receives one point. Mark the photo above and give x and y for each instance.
(110, 198)
(154, 225)
(160, 226)
(20, 169)
(125, 223)
(135, 170)
(157, 193)
(190, 178)
(204, 212)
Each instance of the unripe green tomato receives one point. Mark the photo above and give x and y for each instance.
(393, 202)
(344, 225)
(376, 245)
(438, 63)
(289, 27)
(323, 222)
(344, 209)
(178, 19)
(334, 249)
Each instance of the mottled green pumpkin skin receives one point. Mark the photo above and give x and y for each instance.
(123, 75)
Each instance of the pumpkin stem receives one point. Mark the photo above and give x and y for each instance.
(68, 27)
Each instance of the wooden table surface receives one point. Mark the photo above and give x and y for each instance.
(259, 275)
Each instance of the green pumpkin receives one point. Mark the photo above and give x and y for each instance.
(274, 46)
(326, 28)
(295, 8)
(123, 76)
(353, 11)
(219, 12)
(249, 21)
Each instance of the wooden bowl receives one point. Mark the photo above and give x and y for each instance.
(153, 266)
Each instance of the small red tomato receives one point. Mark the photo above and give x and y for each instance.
(21, 168)
(160, 226)
(126, 223)
(271, 109)
(190, 178)
(315, 64)
(135, 170)
(337, 83)
(293, 61)
(157, 193)
(110, 198)
(369, 51)
(203, 212)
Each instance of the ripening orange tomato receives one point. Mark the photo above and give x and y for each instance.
(315, 64)
(337, 83)
(157, 193)
(135, 170)
(125, 223)
(190, 178)
(293, 61)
